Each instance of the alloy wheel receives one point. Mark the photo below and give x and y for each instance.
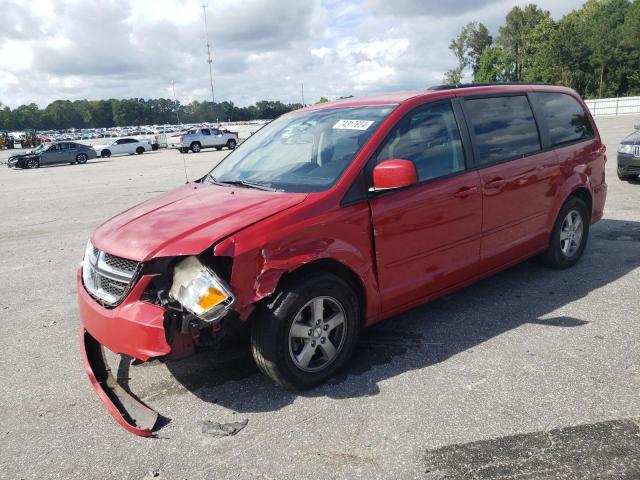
(317, 334)
(571, 233)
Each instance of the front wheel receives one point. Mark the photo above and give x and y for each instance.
(569, 235)
(105, 153)
(81, 159)
(308, 332)
(33, 163)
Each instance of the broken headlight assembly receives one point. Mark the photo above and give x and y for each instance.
(200, 291)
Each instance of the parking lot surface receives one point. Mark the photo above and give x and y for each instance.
(530, 374)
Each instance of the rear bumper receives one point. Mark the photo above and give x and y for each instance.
(134, 327)
(599, 198)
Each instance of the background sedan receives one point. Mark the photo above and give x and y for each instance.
(53, 153)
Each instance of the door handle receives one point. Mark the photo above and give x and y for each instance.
(464, 192)
(495, 183)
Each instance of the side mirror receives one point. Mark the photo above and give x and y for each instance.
(394, 173)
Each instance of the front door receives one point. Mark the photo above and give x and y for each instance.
(518, 179)
(427, 237)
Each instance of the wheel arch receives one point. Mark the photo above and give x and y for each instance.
(584, 194)
(334, 267)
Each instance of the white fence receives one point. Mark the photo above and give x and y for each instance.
(614, 106)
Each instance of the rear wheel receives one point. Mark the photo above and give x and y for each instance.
(218, 148)
(140, 150)
(81, 158)
(626, 177)
(105, 153)
(569, 236)
(307, 332)
(32, 163)
(195, 147)
(231, 144)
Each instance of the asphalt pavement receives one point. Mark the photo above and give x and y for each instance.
(530, 374)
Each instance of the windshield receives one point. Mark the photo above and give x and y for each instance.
(40, 148)
(301, 152)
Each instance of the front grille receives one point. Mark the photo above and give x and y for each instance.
(107, 277)
(636, 151)
(120, 263)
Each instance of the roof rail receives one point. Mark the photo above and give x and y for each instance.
(468, 85)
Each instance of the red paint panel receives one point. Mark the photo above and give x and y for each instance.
(518, 196)
(187, 220)
(427, 238)
(134, 327)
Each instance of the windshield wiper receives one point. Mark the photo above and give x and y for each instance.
(245, 183)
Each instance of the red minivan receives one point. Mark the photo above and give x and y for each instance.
(334, 217)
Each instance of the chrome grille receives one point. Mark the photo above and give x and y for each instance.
(120, 263)
(636, 151)
(107, 277)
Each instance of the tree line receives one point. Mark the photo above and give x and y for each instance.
(64, 114)
(594, 50)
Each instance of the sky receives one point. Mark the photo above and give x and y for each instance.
(262, 49)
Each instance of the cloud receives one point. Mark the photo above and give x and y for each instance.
(432, 8)
(262, 49)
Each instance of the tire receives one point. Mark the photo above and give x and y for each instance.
(218, 148)
(105, 153)
(231, 144)
(81, 159)
(195, 147)
(626, 177)
(278, 350)
(32, 163)
(140, 150)
(184, 150)
(565, 253)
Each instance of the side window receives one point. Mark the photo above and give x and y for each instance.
(564, 116)
(430, 138)
(205, 131)
(119, 142)
(215, 131)
(73, 146)
(504, 127)
(64, 146)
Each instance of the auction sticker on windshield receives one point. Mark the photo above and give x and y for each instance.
(353, 124)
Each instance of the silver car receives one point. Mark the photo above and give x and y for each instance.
(52, 153)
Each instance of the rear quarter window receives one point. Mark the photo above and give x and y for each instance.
(563, 116)
(504, 127)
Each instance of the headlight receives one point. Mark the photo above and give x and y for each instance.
(625, 148)
(200, 290)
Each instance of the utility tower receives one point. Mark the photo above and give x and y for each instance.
(206, 32)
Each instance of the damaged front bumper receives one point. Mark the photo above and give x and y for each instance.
(126, 409)
(134, 328)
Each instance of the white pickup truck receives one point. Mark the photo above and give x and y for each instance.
(198, 138)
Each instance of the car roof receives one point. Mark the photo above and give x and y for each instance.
(437, 91)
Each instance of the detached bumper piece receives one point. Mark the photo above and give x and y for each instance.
(127, 410)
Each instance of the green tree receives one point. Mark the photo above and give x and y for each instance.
(513, 35)
(494, 66)
(467, 48)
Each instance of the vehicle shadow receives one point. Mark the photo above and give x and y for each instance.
(432, 333)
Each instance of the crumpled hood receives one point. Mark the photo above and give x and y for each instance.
(187, 220)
